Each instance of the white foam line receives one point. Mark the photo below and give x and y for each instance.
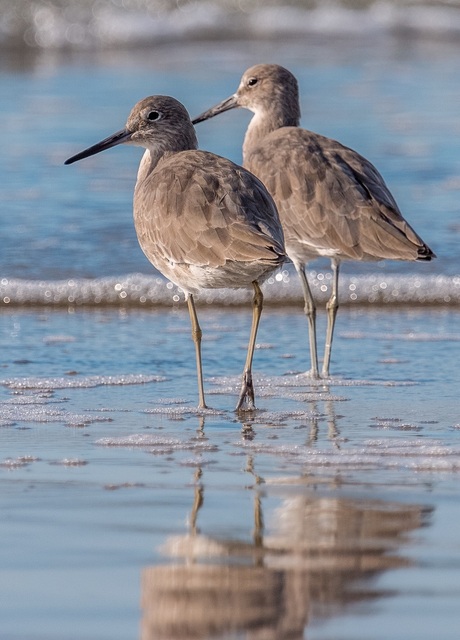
(140, 290)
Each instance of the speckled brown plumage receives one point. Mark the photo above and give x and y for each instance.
(204, 223)
(201, 220)
(331, 200)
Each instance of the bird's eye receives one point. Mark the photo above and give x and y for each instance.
(252, 82)
(153, 115)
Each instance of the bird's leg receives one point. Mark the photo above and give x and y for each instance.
(196, 335)
(331, 307)
(310, 312)
(247, 388)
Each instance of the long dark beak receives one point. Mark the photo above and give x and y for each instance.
(116, 138)
(225, 105)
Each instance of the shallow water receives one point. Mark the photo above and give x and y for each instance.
(394, 102)
(332, 511)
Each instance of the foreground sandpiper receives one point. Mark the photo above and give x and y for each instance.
(201, 220)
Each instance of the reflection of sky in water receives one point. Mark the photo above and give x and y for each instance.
(104, 457)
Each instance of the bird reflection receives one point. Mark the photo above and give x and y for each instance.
(316, 555)
(331, 419)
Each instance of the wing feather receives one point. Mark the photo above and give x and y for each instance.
(200, 209)
(330, 198)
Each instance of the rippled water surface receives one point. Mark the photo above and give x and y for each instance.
(321, 513)
(330, 512)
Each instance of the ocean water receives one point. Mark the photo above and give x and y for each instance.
(127, 513)
(330, 512)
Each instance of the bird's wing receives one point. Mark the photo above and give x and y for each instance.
(197, 208)
(331, 197)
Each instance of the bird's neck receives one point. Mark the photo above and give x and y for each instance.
(145, 166)
(156, 152)
(265, 122)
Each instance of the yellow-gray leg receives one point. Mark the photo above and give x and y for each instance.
(310, 312)
(332, 306)
(247, 388)
(196, 335)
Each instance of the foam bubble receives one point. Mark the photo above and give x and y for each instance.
(18, 463)
(157, 444)
(415, 455)
(138, 440)
(70, 462)
(178, 411)
(36, 412)
(84, 382)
